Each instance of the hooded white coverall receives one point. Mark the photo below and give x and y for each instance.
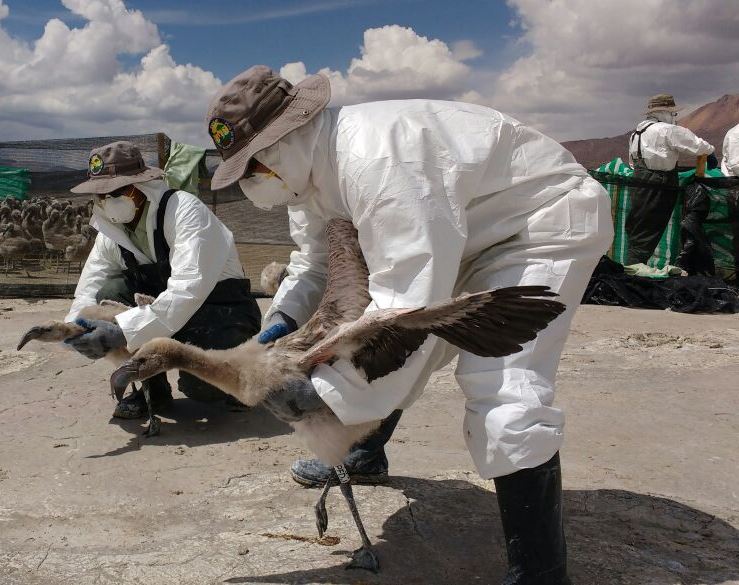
(730, 156)
(202, 253)
(446, 197)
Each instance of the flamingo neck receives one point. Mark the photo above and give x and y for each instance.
(211, 366)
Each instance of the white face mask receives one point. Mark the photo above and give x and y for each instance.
(664, 116)
(265, 190)
(119, 209)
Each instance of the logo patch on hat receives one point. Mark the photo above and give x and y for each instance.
(222, 133)
(96, 164)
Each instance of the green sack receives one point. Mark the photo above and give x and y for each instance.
(719, 226)
(184, 167)
(14, 182)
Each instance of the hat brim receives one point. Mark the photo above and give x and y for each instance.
(105, 184)
(663, 109)
(311, 97)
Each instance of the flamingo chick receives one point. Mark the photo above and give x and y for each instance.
(492, 323)
(272, 276)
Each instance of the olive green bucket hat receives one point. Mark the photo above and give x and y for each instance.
(662, 102)
(256, 109)
(116, 165)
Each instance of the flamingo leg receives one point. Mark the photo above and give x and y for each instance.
(365, 556)
(320, 507)
(154, 422)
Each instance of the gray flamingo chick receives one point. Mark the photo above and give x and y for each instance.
(492, 323)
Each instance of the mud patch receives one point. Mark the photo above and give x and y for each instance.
(704, 350)
(668, 341)
(17, 361)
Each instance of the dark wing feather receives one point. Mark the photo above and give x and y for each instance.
(387, 350)
(490, 324)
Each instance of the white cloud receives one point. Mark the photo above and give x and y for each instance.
(465, 50)
(587, 68)
(294, 72)
(396, 62)
(70, 81)
(592, 65)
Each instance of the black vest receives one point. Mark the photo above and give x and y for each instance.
(150, 279)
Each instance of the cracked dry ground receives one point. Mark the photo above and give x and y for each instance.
(650, 465)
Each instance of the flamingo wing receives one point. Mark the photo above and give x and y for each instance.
(492, 323)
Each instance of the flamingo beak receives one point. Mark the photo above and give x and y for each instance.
(120, 379)
(32, 333)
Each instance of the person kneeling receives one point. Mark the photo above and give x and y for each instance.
(167, 244)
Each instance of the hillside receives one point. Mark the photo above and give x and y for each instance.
(710, 121)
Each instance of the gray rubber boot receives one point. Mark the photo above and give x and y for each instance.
(366, 463)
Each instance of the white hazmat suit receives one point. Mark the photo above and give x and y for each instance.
(202, 253)
(446, 197)
(730, 156)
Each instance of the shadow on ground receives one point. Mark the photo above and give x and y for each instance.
(191, 423)
(449, 533)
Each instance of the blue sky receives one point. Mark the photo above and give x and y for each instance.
(570, 68)
(226, 36)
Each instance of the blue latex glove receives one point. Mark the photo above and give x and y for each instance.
(279, 325)
(294, 401)
(102, 336)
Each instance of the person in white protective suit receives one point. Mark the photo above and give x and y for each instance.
(167, 244)
(730, 156)
(654, 149)
(446, 197)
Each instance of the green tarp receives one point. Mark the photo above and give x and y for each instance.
(14, 182)
(615, 175)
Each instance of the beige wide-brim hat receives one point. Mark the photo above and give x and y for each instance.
(255, 110)
(662, 102)
(116, 165)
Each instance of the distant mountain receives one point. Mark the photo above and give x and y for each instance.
(710, 122)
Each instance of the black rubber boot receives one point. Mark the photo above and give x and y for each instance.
(366, 462)
(530, 504)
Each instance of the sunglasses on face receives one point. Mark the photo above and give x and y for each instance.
(255, 167)
(127, 190)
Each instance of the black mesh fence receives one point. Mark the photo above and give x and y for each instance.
(41, 252)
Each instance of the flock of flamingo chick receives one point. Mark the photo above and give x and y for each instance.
(44, 227)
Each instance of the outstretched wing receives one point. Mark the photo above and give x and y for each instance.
(492, 323)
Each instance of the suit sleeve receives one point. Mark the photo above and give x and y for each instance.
(685, 142)
(302, 288)
(199, 248)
